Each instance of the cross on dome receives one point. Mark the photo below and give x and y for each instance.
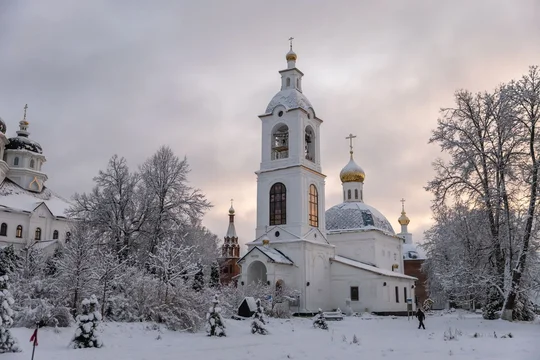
(352, 172)
(350, 138)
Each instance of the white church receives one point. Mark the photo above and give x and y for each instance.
(31, 215)
(348, 254)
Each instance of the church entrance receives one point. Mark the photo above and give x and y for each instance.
(256, 273)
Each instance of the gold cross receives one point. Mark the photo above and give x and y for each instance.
(290, 42)
(350, 138)
(25, 107)
(402, 204)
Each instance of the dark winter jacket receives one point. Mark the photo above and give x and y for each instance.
(420, 315)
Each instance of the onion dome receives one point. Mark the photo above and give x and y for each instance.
(352, 172)
(404, 219)
(231, 210)
(3, 126)
(291, 55)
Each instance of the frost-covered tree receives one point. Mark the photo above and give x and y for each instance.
(172, 261)
(319, 321)
(215, 326)
(108, 271)
(172, 202)
(76, 268)
(86, 334)
(7, 342)
(198, 279)
(258, 325)
(117, 207)
(9, 260)
(492, 171)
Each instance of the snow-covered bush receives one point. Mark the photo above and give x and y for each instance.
(120, 308)
(215, 325)
(319, 321)
(7, 342)
(452, 334)
(42, 312)
(258, 323)
(493, 305)
(87, 322)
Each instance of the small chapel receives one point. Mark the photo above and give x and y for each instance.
(345, 257)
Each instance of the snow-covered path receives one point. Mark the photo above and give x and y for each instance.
(380, 338)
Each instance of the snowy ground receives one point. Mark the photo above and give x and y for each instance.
(380, 338)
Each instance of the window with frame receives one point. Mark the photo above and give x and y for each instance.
(349, 194)
(55, 235)
(313, 206)
(38, 234)
(397, 294)
(32, 163)
(278, 204)
(18, 232)
(356, 194)
(16, 161)
(354, 293)
(3, 229)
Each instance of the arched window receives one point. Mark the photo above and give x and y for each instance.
(18, 233)
(38, 234)
(356, 194)
(32, 162)
(16, 161)
(55, 235)
(309, 146)
(278, 204)
(298, 83)
(349, 194)
(288, 82)
(313, 206)
(3, 229)
(280, 142)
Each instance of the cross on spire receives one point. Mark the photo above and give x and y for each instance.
(25, 107)
(350, 138)
(402, 204)
(290, 42)
(232, 200)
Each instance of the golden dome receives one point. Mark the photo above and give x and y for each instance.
(404, 219)
(352, 173)
(291, 56)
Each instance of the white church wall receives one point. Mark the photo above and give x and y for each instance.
(374, 296)
(388, 252)
(297, 183)
(358, 246)
(30, 222)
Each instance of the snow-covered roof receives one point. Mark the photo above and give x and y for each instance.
(231, 231)
(413, 252)
(356, 216)
(291, 99)
(251, 303)
(274, 255)
(13, 197)
(374, 269)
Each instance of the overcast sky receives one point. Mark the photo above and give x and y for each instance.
(125, 77)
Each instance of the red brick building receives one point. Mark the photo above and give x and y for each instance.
(230, 253)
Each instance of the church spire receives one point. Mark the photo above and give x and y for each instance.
(23, 124)
(230, 248)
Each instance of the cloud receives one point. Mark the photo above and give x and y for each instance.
(125, 77)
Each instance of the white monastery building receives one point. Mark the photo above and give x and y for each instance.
(31, 215)
(346, 255)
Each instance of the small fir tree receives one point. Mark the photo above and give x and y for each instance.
(215, 325)
(7, 342)
(198, 279)
(319, 321)
(9, 260)
(214, 275)
(86, 334)
(493, 304)
(258, 324)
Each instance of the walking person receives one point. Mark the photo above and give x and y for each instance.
(421, 316)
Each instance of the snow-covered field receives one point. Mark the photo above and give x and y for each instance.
(379, 338)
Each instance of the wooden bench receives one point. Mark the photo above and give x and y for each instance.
(333, 315)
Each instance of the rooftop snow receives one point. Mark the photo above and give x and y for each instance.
(356, 215)
(291, 99)
(12, 196)
(374, 269)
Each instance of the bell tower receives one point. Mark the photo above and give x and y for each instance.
(290, 183)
